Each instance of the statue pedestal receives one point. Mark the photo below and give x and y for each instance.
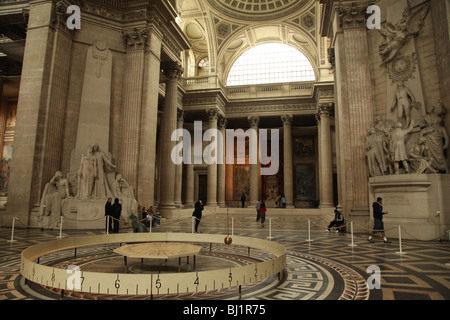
(84, 214)
(419, 203)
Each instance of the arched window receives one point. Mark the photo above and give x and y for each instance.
(202, 67)
(270, 63)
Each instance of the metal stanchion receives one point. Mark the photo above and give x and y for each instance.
(193, 221)
(351, 232)
(232, 226)
(12, 231)
(107, 224)
(60, 229)
(270, 229)
(400, 240)
(309, 231)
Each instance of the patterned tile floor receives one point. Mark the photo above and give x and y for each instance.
(326, 268)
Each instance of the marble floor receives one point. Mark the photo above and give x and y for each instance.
(320, 265)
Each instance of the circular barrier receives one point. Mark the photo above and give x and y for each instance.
(154, 283)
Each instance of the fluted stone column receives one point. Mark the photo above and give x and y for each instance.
(41, 107)
(179, 167)
(190, 186)
(354, 109)
(221, 171)
(325, 156)
(136, 42)
(287, 161)
(254, 169)
(173, 72)
(145, 191)
(212, 168)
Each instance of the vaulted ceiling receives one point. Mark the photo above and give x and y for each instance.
(223, 30)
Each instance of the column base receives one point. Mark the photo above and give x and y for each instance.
(212, 204)
(326, 205)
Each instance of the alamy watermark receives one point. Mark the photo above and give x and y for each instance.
(75, 280)
(374, 280)
(74, 20)
(213, 153)
(374, 21)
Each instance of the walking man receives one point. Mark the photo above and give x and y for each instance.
(378, 225)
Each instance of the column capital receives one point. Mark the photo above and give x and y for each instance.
(253, 121)
(172, 70)
(287, 119)
(213, 114)
(323, 109)
(223, 122)
(352, 16)
(135, 39)
(180, 115)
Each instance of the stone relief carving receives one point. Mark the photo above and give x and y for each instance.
(398, 34)
(420, 148)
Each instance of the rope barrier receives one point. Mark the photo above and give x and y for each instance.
(59, 222)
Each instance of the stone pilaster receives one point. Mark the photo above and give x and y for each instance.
(173, 73)
(254, 168)
(136, 43)
(145, 190)
(354, 110)
(325, 156)
(41, 107)
(287, 160)
(212, 168)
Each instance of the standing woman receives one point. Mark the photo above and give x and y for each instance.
(197, 214)
(262, 213)
(116, 213)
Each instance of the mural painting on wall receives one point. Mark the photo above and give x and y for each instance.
(304, 147)
(241, 181)
(304, 178)
(5, 169)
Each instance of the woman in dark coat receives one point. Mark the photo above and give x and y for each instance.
(116, 212)
(197, 214)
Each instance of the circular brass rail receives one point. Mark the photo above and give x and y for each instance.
(149, 284)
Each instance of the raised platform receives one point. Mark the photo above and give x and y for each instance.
(419, 203)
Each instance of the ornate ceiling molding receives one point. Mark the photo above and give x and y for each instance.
(258, 10)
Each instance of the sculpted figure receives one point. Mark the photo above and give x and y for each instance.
(397, 149)
(437, 141)
(374, 152)
(104, 166)
(403, 101)
(419, 159)
(54, 194)
(86, 175)
(396, 35)
(125, 193)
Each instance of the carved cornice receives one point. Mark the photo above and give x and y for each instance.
(273, 108)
